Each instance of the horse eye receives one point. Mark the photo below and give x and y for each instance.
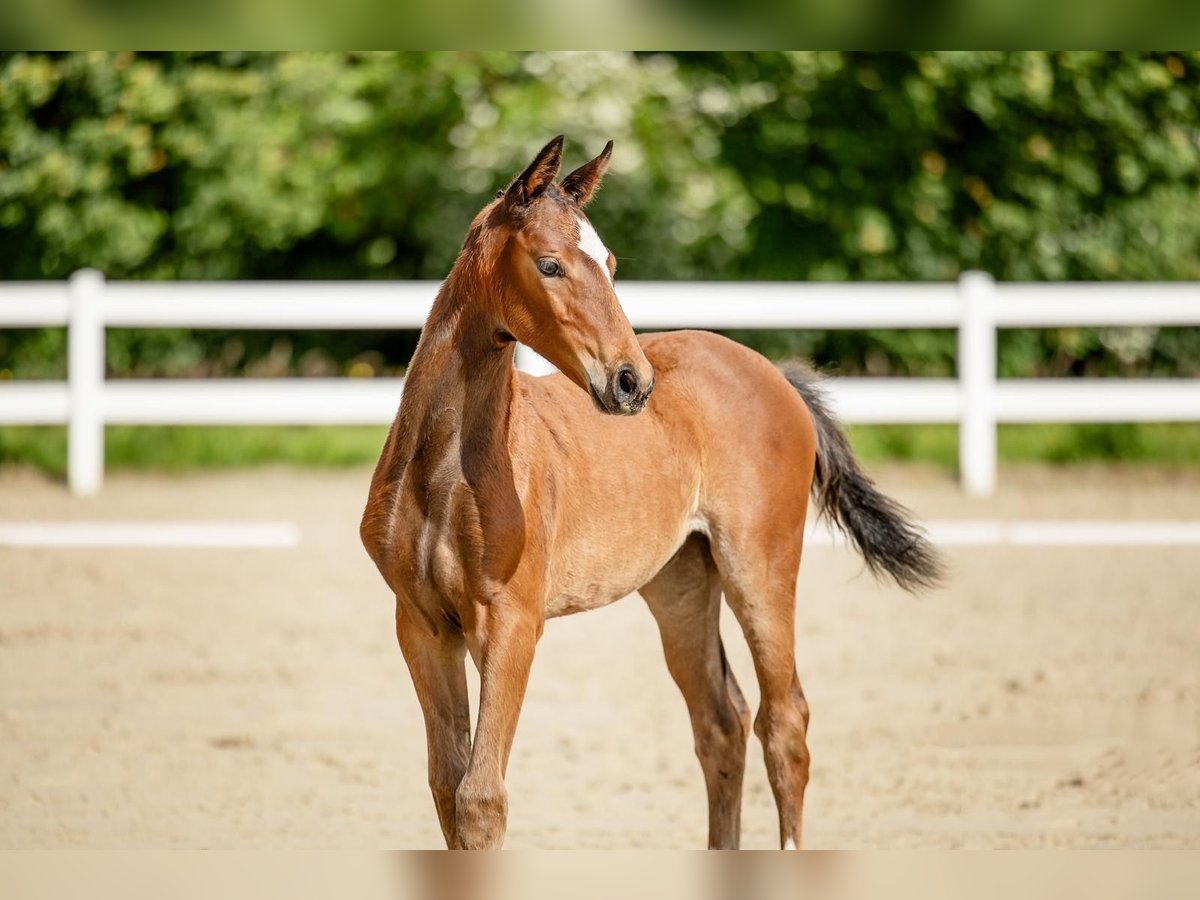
(549, 266)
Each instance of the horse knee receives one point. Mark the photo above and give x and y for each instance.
(481, 811)
(784, 734)
(721, 741)
(444, 791)
(443, 785)
(715, 744)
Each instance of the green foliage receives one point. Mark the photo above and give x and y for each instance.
(1031, 166)
(765, 165)
(1173, 444)
(177, 448)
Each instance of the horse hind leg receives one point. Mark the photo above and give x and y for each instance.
(685, 599)
(763, 598)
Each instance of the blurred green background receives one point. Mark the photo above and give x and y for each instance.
(728, 165)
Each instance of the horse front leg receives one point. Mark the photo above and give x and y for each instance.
(503, 649)
(436, 663)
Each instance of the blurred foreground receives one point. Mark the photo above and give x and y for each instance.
(589, 876)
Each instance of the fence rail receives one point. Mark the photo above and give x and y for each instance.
(976, 307)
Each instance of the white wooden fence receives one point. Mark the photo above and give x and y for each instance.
(975, 307)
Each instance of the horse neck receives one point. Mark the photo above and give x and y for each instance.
(459, 371)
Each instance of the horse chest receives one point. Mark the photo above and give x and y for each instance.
(434, 523)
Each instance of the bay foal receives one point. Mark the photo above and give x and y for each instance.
(501, 500)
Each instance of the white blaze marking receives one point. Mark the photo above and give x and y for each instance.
(590, 243)
(790, 845)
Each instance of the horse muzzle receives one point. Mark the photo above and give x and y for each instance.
(625, 392)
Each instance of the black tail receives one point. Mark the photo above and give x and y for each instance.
(878, 526)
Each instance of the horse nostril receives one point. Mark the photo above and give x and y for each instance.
(627, 381)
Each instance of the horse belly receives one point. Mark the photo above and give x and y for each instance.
(620, 552)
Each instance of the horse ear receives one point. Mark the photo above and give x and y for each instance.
(582, 183)
(541, 173)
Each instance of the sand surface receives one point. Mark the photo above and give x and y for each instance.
(216, 698)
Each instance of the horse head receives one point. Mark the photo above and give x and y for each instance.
(551, 280)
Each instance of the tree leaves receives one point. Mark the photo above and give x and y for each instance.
(727, 165)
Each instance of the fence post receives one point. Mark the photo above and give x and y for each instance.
(529, 361)
(977, 381)
(85, 382)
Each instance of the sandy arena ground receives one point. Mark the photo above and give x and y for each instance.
(148, 698)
